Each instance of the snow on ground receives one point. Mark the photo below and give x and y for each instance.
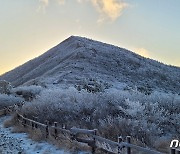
(19, 143)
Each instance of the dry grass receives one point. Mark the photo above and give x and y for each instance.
(163, 146)
(35, 134)
(11, 121)
(64, 141)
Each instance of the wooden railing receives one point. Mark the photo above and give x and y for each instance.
(89, 137)
(175, 151)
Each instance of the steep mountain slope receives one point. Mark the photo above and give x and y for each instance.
(78, 59)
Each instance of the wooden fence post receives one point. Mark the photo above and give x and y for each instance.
(24, 122)
(32, 125)
(94, 144)
(18, 116)
(5, 110)
(14, 107)
(173, 151)
(35, 119)
(47, 129)
(55, 130)
(119, 141)
(128, 139)
(63, 126)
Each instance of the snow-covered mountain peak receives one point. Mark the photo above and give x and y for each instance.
(78, 59)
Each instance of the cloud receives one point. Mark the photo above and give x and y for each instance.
(142, 51)
(108, 9)
(43, 5)
(111, 9)
(61, 2)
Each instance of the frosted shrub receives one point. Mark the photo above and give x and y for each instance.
(93, 86)
(134, 108)
(114, 112)
(5, 87)
(8, 100)
(33, 89)
(27, 92)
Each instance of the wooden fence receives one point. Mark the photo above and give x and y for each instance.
(89, 137)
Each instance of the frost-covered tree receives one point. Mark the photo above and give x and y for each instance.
(27, 92)
(9, 100)
(5, 87)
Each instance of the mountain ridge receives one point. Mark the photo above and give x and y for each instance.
(77, 59)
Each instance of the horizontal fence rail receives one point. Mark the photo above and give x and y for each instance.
(89, 137)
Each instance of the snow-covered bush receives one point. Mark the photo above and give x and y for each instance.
(5, 87)
(28, 92)
(114, 112)
(8, 100)
(93, 86)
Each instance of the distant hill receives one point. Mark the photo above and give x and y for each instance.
(77, 60)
